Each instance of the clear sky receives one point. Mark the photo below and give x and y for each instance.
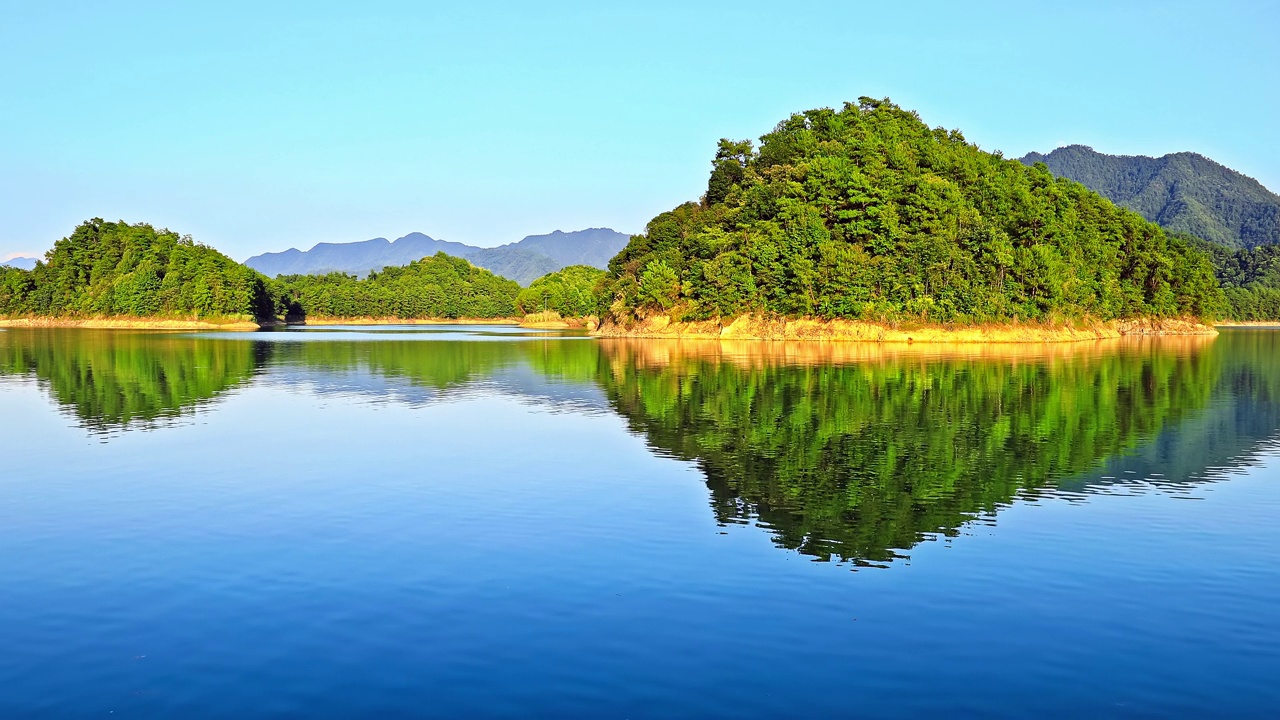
(260, 126)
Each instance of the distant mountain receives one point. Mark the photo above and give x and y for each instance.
(357, 258)
(515, 263)
(1183, 192)
(24, 263)
(523, 261)
(593, 246)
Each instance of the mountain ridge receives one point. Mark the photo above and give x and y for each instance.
(1182, 192)
(22, 263)
(523, 261)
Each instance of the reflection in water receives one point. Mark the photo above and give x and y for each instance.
(114, 380)
(550, 373)
(857, 461)
(843, 451)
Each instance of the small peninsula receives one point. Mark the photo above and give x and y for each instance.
(860, 222)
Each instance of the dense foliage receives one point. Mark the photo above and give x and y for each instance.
(1250, 278)
(114, 379)
(570, 292)
(514, 262)
(1183, 192)
(861, 461)
(867, 213)
(435, 287)
(113, 268)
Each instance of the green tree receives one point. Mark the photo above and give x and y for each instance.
(570, 291)
(867, 213)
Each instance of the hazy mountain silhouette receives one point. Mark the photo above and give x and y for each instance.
(523, 261)
(24, 263)
(1182, 192)
(358, 258)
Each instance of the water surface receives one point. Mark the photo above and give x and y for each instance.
(497, 522)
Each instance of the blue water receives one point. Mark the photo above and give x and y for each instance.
(481, 522)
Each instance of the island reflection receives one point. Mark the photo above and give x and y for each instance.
(845, 452)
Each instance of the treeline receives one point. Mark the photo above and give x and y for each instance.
(572, 292)
(106, 269)
(113, 268)
(440, 286)
(867, 213)
(1250, 278)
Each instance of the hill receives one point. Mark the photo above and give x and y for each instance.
(523, 261)
(440, 286)
(109, 269)
(570, 292)
(22, 263)
(514, 262)
(1182, 192)
(868, 214)
(593, 246)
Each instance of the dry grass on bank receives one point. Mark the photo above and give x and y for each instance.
(754, 327)
(134, 323)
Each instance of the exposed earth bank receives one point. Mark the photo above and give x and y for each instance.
(755, 327)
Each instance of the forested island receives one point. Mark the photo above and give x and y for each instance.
(861, 224)
(867, 220)
(436, 287)
(113, 273)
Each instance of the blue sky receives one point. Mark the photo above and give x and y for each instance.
(262, 126)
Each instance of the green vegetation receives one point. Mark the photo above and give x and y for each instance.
(570, 292)
(435, 287)
(861, 461)
(1250, 278)
(514, 262)
(113, 379)
(867, 213)
(106, 269)
(1183, 192)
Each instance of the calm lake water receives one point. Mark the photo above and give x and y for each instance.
(495, 522)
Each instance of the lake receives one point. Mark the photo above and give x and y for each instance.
(497, 522)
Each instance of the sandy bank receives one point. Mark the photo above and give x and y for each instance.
(644, 352)
(551, 319)
(132, 323)
(751, 327)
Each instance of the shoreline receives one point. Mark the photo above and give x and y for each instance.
(133, 323)
(752, 327)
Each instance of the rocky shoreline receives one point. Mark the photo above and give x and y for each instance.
(754, 327)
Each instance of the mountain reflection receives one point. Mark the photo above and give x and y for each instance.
(841, 451)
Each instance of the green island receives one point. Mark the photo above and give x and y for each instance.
(855, 224)
(869, 216)
(118, 275)
(436, 287)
